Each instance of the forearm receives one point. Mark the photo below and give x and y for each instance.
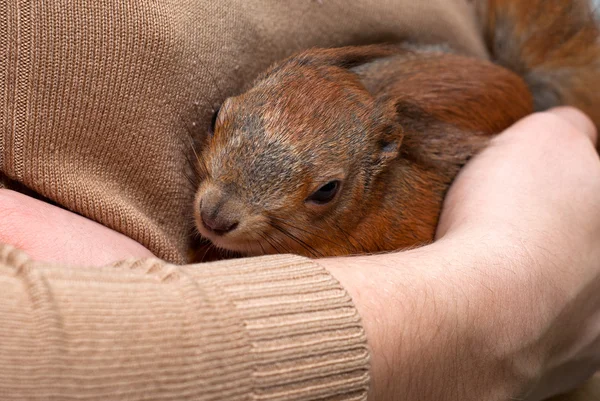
(277, 328)
(458, 320)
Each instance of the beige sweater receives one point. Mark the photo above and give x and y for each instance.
(98, 100)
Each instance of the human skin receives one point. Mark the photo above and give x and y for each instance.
(52, 234)
(505, 304)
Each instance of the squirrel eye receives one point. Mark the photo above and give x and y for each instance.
(213, 121)
(325, 194)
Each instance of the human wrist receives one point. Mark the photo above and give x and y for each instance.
(441, 318)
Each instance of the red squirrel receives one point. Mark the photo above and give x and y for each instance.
(351, 150)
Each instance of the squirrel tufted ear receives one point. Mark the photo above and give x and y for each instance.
(388, 146)
(388, 151)
(350, 56)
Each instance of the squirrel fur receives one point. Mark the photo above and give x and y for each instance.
(351, 150)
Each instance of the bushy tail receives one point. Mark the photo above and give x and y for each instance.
(553, 44)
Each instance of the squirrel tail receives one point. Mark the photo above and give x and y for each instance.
(553, 44)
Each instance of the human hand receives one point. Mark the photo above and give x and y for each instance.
(535, 192)
(52, 234)
(506, 303)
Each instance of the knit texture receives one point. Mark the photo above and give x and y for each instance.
(274, 328)
(100, 100)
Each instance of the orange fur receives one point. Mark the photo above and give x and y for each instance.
(392, 124)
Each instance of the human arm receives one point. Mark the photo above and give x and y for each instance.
(506, 304)
(278, 328)
(482, 312)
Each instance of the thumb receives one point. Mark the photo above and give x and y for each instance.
(541, 156)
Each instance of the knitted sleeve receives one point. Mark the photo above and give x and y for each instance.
(271, 328)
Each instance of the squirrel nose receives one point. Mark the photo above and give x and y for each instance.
(216, 223)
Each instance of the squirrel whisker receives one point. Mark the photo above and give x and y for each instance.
(291, 236)
(390, 126)
(312, 233)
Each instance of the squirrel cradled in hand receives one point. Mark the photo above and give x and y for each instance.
(351, 150)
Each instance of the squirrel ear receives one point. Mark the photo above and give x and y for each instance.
(388, 146)
(388, 151)
(350, 56)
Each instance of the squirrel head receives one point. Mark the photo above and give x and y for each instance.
(291, 162)
(348, 150)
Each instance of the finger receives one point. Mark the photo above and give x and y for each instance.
(578, 120)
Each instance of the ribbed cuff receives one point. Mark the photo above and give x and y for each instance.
(306, 337)
(272, 328)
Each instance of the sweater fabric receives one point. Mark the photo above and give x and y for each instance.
(99, 102)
